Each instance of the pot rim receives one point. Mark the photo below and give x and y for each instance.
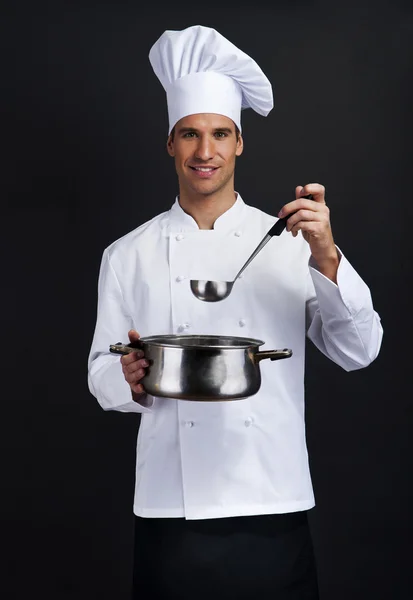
(188, 341)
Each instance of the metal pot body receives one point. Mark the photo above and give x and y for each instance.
(199, 367)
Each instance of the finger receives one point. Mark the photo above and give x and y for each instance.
(130, 372)
(317, 190)
(134, 378)
(312, 227)
(135, 366)
(296, 205)
(304, 215)
(138, 389)
(133, 335)
(131, 357)
(298, 193)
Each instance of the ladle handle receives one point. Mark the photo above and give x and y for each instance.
(275, 230)
(280, 225)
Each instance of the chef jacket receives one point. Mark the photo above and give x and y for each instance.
(202, 460)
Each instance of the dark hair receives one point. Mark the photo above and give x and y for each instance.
(172, 134)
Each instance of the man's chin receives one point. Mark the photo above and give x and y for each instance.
(206, 190)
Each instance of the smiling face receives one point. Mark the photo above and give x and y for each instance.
(205, 147)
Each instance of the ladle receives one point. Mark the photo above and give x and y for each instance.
(214, 291)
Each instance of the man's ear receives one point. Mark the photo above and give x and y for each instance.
(240, 145)
(170, 146)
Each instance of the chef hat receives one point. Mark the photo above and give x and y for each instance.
(202, 72)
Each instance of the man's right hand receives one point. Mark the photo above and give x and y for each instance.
(133, 367)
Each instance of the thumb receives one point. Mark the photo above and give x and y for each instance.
(298, 190)
(133, 335)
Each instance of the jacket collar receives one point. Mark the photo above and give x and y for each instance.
(180, 221)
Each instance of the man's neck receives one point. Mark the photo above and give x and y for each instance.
(205, 210)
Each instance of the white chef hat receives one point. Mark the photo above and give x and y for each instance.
(202, 72)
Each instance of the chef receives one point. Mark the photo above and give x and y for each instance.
(223, 488)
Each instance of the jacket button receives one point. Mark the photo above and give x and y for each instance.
(180, 278)
(183, 327)
(242, 322)
(179, 237)
(248, 422)
(237, 233)
(189, 423)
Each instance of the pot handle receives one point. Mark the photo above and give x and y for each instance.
(272, 354)
(120, 348)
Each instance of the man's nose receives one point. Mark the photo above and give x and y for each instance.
(205, 148)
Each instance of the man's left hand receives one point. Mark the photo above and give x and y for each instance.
(312, 218)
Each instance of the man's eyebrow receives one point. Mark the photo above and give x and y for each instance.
(193, 130)
(186, 130)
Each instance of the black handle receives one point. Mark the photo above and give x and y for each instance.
(120, 348)
(279, 226)
(272, 354)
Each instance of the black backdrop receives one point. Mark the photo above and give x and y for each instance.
(84, 131)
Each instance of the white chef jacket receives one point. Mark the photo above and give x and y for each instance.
(202, 460)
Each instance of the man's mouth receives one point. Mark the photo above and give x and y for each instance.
(204, 168)
(204, 172)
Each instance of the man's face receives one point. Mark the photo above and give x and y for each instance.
(204, 147)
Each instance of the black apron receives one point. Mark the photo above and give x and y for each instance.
(258, 557)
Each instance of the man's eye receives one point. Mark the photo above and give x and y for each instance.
(220, 134)
(189, 134)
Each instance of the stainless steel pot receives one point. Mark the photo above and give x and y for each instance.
(201, 367)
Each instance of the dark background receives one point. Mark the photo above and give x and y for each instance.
(84, 162)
